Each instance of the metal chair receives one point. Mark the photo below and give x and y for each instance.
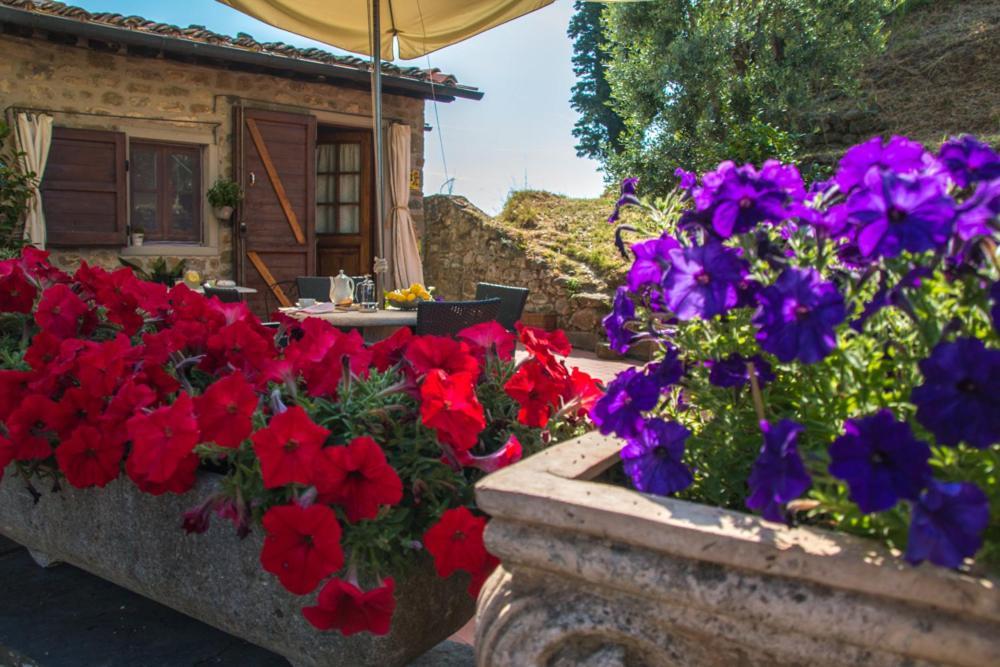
(314, 287)
(224, 294)
(447, 318)
(512, 300)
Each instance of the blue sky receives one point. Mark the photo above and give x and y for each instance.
(518, 135)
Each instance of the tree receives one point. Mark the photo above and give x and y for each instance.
(700, 81)
(598, 130)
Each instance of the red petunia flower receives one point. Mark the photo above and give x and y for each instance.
(358, 478)
(449, 405)
(60, 312)
(131, 397)
(489, 337)
(181, 481)
(456, 542)
(429, 353)
(79, 406)
(90, 458)
(510, 453)
(345, 607)
(323, 378)
(543, 345)
(36, 419)
(17, 294)
(14, 386)
(536, 391)
(43, 350)
(35, 263)
(101, 368)
(240, 346)
(302, 546)
(225, 411)
(583, 391)
(389, 352)
(288, 448)
(162, 440)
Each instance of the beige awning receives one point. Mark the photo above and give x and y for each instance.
(420, 26)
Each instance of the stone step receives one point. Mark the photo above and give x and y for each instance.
(65, 617)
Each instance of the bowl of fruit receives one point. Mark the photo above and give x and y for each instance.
(408, 298)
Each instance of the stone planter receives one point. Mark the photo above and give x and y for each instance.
(223, 213)
(594, 574)
(135, 540)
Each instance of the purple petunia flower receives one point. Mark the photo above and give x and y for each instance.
(959, 400)
(995, 310)
(652, 259)
(666, 372)
(881, 461)
(737, 199)
(778, 474)
(892, 213)
(798, 316)
(702, 280)
(733, 372)
(947, 523)
(620, 410)
(652, 459)
(899, 155)
(975, 214)
(622, 312)
(968, 160)
(627, 198)
(687, 179)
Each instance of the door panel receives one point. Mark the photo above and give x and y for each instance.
(277, 237)
(344, 201)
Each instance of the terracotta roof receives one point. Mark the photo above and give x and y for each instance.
(242, 42)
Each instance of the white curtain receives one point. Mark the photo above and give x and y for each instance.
(34, 136)
(406, 267)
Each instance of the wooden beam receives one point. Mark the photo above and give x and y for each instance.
(269, 280)
(272, 174)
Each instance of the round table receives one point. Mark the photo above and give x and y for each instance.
(375, 325)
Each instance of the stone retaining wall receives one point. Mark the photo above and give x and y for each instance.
(462, 246)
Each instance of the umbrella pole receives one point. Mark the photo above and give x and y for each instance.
(377, 128)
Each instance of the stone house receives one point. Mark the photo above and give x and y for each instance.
(147, 116)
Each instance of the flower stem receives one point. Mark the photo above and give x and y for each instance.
(758, 398)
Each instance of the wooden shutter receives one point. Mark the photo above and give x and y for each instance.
(83, 188)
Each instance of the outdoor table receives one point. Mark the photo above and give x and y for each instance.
(374, 325)
(200, 289)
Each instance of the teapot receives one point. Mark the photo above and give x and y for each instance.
(341, 289)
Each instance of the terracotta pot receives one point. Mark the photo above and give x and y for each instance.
(595, 574)
(135, 540)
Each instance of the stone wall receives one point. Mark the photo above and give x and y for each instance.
(462, 246)
(167, 100)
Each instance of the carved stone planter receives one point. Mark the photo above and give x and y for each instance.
(594, 574)
(135, 540)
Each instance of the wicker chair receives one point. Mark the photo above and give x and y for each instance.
(447, 318)
(512, 300)
(224, 294)
(314, 287)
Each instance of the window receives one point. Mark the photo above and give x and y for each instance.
(165, 191)
(338, 188)
(83, 188)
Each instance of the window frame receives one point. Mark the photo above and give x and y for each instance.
(336, 174)
(197, 239)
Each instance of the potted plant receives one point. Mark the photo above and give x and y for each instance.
(224, 196)
(828, 359)
(339, 475)
(138, 235)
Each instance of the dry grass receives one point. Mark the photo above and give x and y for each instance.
(572, 234)
(940, 74)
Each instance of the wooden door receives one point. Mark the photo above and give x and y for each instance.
(344, 181)
(276, 232)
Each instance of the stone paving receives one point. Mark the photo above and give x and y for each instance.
(65, 617)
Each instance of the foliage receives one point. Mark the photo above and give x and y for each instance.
(159, 270)
(16, 191)
(699, 82)
(352, 458)
(852, 329)
(599, 128)
(225, 192)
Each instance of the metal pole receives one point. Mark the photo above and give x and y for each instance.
(377, 125)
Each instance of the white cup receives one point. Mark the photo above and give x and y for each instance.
(306, 302)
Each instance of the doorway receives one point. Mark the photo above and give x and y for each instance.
(344, 202)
